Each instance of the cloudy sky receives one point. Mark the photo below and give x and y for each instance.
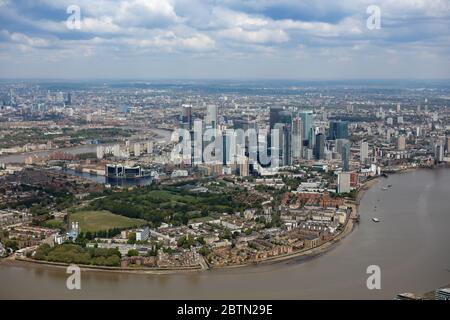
(232, 39)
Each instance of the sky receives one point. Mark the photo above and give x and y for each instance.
(225, 39)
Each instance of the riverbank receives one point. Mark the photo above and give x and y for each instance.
(304, 254)
(58, 265)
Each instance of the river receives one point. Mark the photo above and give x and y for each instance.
(410, 244)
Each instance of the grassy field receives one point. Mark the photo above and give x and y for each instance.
(103, 220)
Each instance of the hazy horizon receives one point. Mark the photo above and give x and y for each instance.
(161, 79)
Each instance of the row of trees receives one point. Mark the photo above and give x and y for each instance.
(91, 235)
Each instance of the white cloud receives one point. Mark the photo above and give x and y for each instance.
(145, 13)
(417, 8)
(114, 30)
(225, 18)
(257, 36)
(23, 39)
(102, 25)
(170, 41)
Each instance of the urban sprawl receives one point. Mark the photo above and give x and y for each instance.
(103, 174)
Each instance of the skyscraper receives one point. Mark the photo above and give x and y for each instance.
(319, 148)
(285, 117)
(345, 156)
(287, 145)
(307, 122)
(282, 121)
(274, 116)
(228, 145)
(68, 100)
(338, 130)
(364, 152)
(296, 140)
(311, 141)
(283, 147)
(186, 117)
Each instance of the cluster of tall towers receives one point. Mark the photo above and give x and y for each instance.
(295, 130)
(299, 137)
(292, 134)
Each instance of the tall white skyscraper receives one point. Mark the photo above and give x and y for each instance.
(364, 152)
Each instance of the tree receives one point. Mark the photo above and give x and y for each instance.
(276, 220)
(131, 238)
(113, 261)
(204, 251)
(132, 253)
(226, 234)
(11, 244)
(185, 242)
